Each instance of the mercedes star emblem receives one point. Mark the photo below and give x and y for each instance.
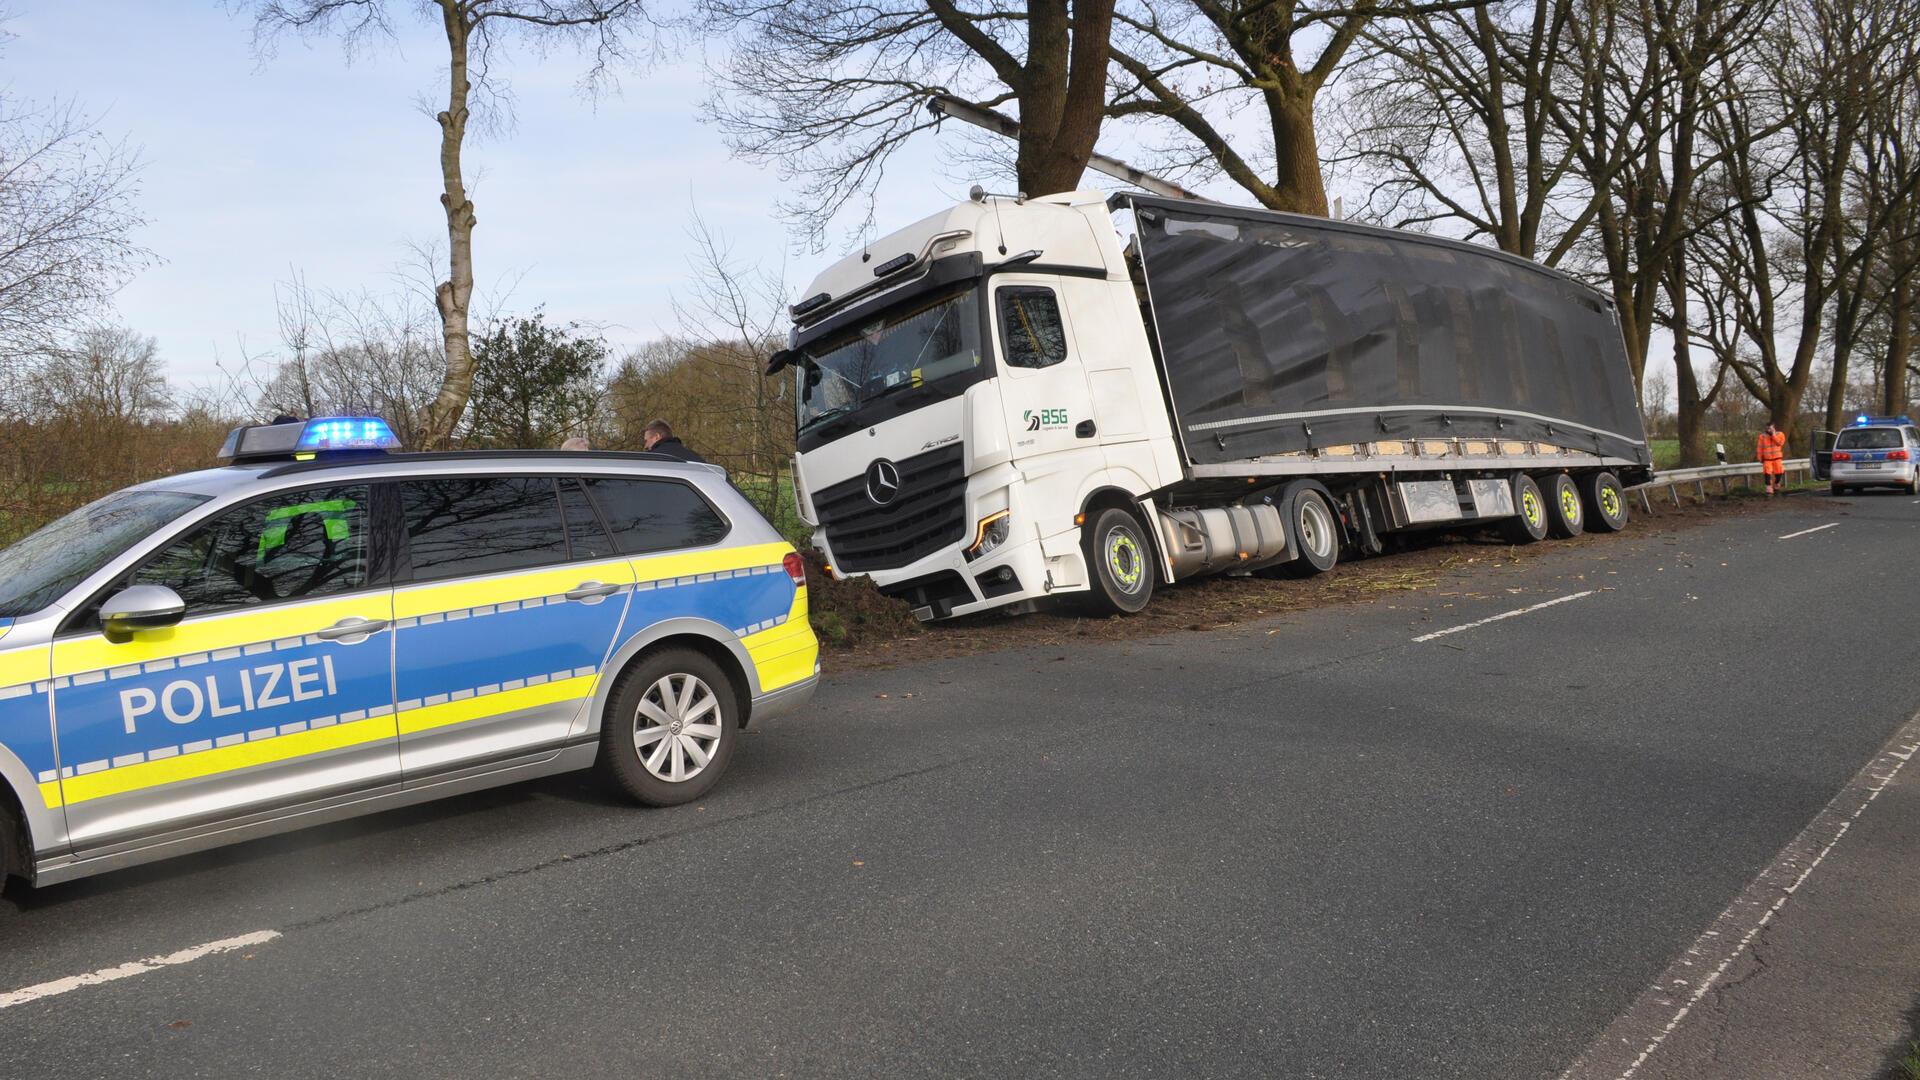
(883, 482)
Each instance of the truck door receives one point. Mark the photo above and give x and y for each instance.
(1044, 387)
(275, 688)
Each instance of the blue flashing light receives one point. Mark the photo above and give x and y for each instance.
(347, 433)
(1863, 420)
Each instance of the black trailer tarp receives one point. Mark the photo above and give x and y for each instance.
(1282, 333)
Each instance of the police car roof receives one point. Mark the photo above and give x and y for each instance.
(228, 478)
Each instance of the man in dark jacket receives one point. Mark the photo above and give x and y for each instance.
(659, 439)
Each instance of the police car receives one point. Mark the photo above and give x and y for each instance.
(1876, 451)
(322, 628)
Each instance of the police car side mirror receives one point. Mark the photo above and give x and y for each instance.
(142, 607)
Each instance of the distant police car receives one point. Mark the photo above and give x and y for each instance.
(1877, 451)
(321, 629)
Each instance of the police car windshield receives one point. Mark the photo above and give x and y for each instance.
(43, 567)
(1868, 439)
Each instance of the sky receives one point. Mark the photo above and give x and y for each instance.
(306, 163)
(316, 164)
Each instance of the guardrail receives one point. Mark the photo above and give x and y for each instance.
(1744, 471)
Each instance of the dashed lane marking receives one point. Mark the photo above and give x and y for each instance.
(1503, 615)
(40, 991)
(1815, 529)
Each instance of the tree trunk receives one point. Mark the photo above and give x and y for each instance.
(1842, 360)
(454, 295)
(1690, 410)
(1297, 184)
(1893, 400)
(1065, 98)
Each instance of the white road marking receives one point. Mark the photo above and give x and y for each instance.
(1815, 529)
(1503, 615)
(1631, 1039)
(136, 967)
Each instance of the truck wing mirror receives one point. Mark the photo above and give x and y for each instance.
(783, 359)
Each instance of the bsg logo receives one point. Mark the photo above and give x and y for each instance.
(1050, 418)
(183, 701)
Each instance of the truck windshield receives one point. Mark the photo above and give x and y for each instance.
(923, 342)
(43, 567)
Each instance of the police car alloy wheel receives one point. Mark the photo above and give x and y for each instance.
(670, 727)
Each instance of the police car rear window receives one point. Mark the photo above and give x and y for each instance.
(458, 527)
(1868, 439)
(656, 515)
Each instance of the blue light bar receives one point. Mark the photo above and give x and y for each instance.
(1863, 420)
(304, 439)
(347, 433)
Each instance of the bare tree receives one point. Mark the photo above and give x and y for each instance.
(1784, 246)
(607, 31)
(829, 89)
(110, 375)
(1194, 66)
(348, 354)
(1459, 118)
(707, 380)
(67, 223)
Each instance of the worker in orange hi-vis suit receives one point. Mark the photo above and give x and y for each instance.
(1771, 449)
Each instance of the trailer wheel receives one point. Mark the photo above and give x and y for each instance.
(1606, 502)
(1120, 562)
(1566, 518)
(1316, 532)
(1529, 522)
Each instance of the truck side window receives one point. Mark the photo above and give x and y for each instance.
(481, 525)
(656, 515)
(293, 546)
(1030, 326)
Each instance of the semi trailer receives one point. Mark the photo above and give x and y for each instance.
(1088, 397)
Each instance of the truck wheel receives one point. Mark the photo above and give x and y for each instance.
(670, 728)
(1529, 522)
(1566, 518)
(1120, 562)
(1606, 502)
(1316, 532)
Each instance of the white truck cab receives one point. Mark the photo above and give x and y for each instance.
(982, 377)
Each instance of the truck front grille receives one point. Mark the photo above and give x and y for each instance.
(929, 513)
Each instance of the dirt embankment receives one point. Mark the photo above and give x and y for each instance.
(861, 629)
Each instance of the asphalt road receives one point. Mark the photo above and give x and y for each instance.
(1308, 847)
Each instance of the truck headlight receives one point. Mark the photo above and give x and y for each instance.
(990, 534)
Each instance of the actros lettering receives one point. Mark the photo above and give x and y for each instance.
(249, 690)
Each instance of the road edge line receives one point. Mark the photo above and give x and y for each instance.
(1619, 1051)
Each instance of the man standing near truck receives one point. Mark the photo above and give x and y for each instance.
(1771, 449)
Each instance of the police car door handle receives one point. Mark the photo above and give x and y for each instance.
(352, 629)
(591, 590)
